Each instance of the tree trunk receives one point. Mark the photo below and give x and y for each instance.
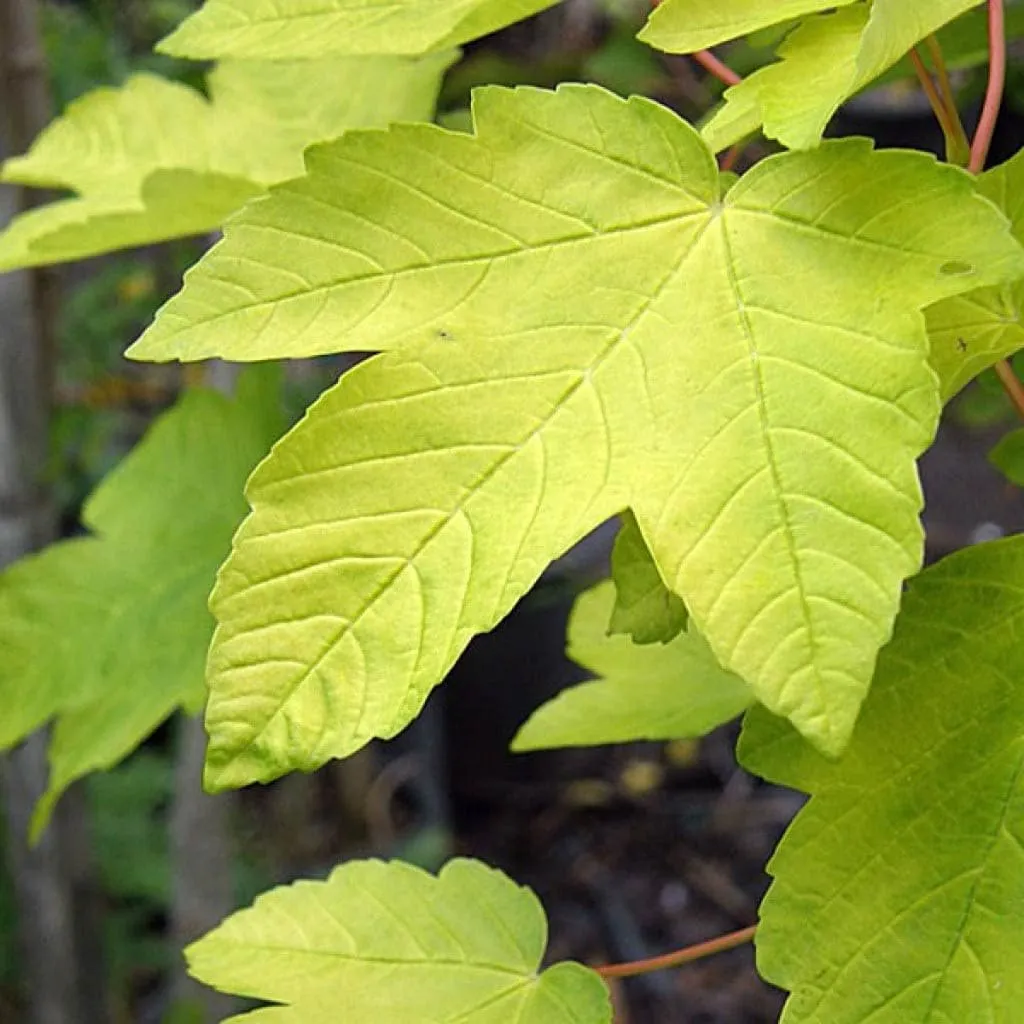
(202, 894)
(202, 890)
(27, 109)
(53, 880)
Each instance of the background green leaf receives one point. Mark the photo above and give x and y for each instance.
(971, 332)
(675, 690)
(793, 99)
(154, 160)
(584, 324)
(898, 888)
(109, 633)
(683, 26)
(645, 609)
(824, 61)
(280, 30)
(964, 42)
(389, 944)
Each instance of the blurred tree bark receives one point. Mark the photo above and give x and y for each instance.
(53, 882)
(202, 893)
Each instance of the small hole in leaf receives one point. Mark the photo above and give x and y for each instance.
(956, 268)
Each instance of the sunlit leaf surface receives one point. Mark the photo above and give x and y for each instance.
(898, 889)
(389, 944)
(582, 322)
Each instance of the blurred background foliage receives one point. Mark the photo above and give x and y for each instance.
(101, 42)
(423, 798)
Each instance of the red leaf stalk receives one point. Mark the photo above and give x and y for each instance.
(996, 84)
(680, 956)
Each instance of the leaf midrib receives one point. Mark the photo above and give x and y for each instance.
(772, 463)
(191, 324)
(969, 900)
(273, 949)
(894, 782)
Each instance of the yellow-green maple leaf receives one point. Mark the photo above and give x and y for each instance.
(584, 322)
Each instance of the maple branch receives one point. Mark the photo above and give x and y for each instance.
(730, 159)
(943, 104)
(680, 957)
(945, 85)
(725, 74)
(996, 84)
(710, 63)
(1011, 385)
(939, 108)
(979, 153)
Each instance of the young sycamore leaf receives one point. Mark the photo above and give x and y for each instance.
(109, 633)
(971, 332)
(827, 59)
(669, 691)
(586, 324)
(301, 29)
(964, 43)
(684, 26)
(389, 944)
(154, 160)
(898, 889)
(645, 608)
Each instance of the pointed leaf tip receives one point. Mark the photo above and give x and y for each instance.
(645, 609)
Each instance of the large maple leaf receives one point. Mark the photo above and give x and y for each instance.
(585, 322)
